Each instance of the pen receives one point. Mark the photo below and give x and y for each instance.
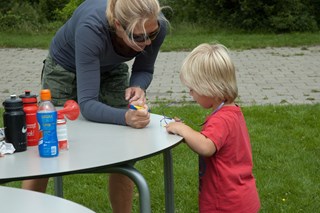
(135, 107)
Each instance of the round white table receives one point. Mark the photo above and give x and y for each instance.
(15, 200)
(98, 147)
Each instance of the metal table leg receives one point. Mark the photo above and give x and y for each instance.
(129, 171)
(168, 181)
(138, 179)
(58, 186)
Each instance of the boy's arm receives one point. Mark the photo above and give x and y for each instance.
(195, 140)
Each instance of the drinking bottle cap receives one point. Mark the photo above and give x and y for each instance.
(45, 95)
(13, 103)
(28, 98)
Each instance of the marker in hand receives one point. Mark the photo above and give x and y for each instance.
(135, 107)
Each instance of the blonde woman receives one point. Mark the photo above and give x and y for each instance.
(226, 182)
(86, 63)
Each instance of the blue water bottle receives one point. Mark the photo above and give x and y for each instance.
(47, 119)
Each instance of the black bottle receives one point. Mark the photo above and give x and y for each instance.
(14, 121)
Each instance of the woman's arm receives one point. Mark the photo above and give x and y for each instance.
(88, 48)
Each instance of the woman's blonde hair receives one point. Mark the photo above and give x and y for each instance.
(130, 13)
(209, 71)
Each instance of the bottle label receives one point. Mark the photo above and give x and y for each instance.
(48, 144)
(32, 129)
(62, 133)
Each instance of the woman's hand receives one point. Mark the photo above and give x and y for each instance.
(138, 118)
(135, 94)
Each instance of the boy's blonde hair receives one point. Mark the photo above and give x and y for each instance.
(130, 13)
(209, 71)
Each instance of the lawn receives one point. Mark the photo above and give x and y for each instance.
(183, 37)
(286, 153)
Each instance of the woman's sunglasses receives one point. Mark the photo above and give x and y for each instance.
(144, 37)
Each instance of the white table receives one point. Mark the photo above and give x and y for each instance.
(15, 200)
(96, 148)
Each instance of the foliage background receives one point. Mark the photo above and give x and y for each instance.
(251, 15)
(277, 16)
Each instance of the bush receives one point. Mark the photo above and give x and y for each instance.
(21, 16)
(280, 16)
(292, 15)
(48, 7)
(66, 12)
(250, 15)
(32, 15)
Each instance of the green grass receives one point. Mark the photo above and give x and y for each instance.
(183, 37)
(187, 37)
(240, 41)
(286, 153)
(25, 40)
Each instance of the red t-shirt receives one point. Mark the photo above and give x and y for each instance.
(226, 182)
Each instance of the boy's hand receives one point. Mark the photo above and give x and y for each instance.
(176, 128)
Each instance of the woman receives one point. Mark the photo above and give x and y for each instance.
(86, 63)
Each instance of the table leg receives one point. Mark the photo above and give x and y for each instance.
(138, 179)
(131, 172)
(168, 181)
(58, 186)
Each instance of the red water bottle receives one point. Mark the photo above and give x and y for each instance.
(30, 107)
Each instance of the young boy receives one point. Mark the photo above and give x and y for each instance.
(226, 182)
